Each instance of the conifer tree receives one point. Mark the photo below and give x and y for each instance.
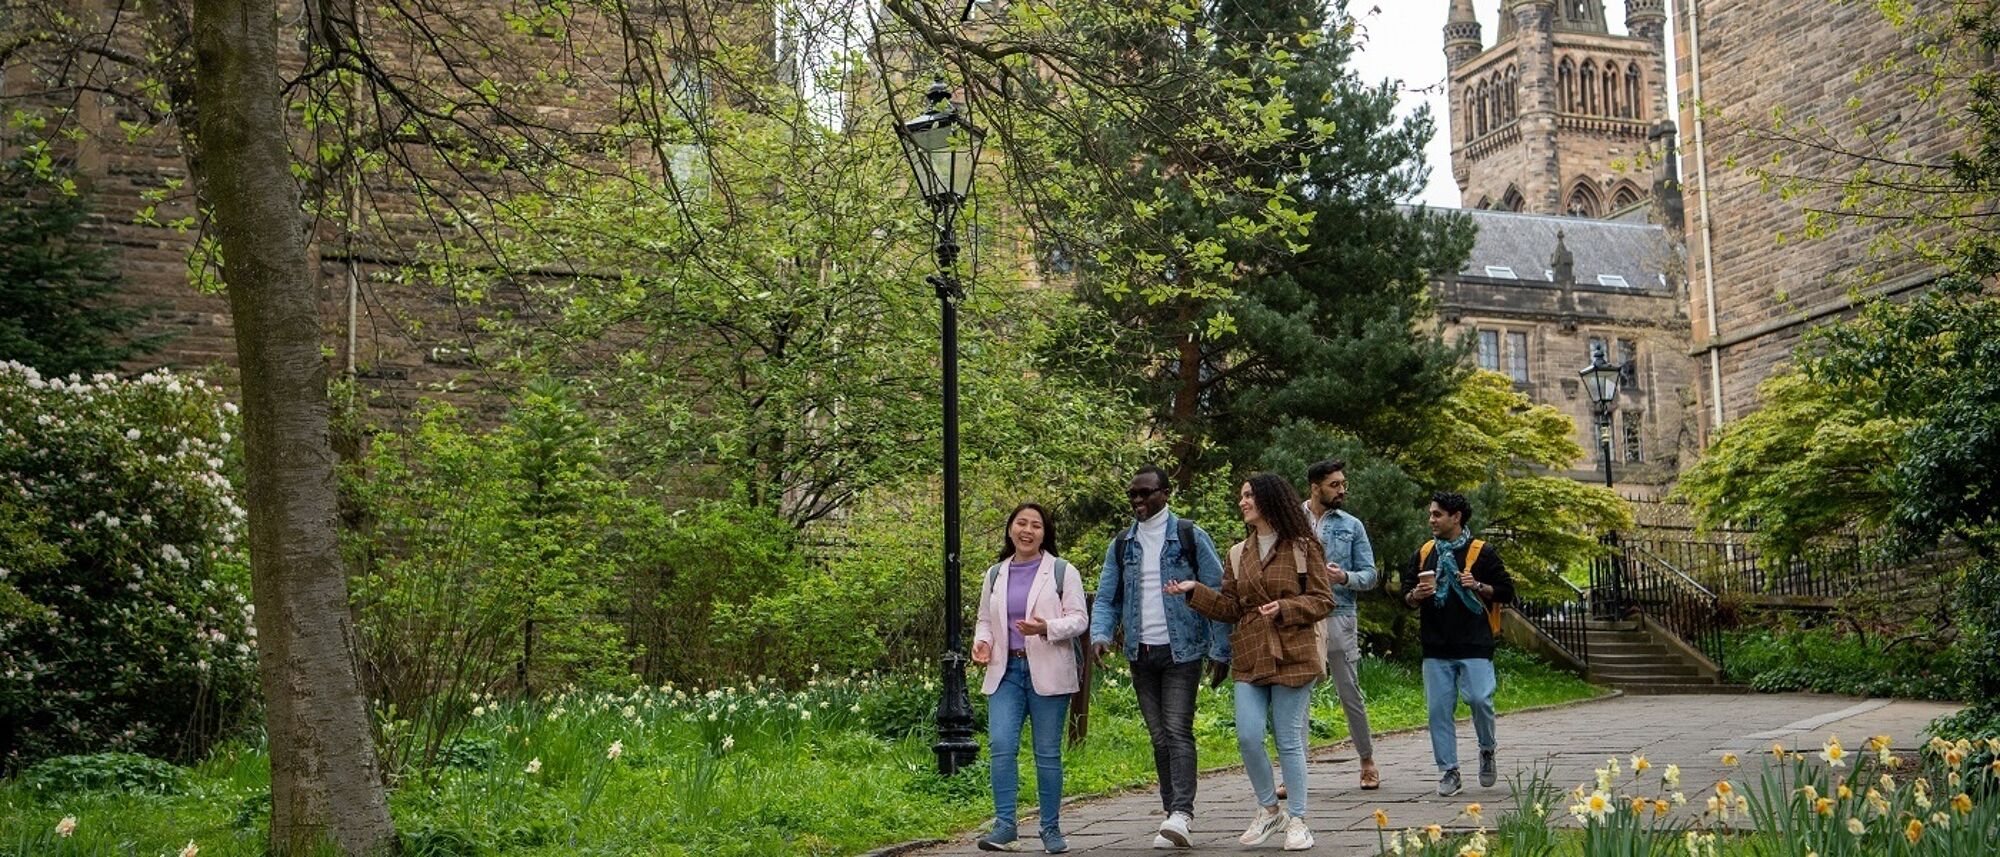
(1271, 273)
(57, 283)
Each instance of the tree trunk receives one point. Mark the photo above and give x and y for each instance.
(325, 784)
(1185, 442)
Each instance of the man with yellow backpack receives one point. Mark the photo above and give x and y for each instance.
(1457, 584)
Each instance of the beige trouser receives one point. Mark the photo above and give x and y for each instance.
(1343, 655)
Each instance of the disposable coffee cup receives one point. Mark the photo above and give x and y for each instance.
(1424, 577)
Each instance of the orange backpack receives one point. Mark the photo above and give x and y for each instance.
(1471, 559)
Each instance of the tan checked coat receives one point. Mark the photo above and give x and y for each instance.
(1284, 648)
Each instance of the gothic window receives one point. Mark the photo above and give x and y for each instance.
(1485, 202)
(1566, 84)
(1512, 200)
(1512, 84)
(1625, 196)
(1628, 357)
(1587, 81)
(1517, 356)
(1482, 99)
(1580, 11)
(1634, 421)
(1611, 105)
(1582, 201)
(1489, 350)
(1634, 106)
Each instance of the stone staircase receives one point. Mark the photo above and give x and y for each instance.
(1626, 655)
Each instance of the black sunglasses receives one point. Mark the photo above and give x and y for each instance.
(1136, 493)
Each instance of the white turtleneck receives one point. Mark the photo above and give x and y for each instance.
(1152, 600)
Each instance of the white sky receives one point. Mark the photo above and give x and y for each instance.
(1405, 41)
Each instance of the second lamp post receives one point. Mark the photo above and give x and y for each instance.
(943, 148)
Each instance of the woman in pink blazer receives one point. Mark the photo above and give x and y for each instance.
(1030, 611)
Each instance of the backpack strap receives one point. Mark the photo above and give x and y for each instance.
(1062, 571)
(1424, 553)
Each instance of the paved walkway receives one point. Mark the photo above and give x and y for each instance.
(1690, 731)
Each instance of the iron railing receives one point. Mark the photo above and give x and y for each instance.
(1566, 622)
(1636, 580)
(1733, 566)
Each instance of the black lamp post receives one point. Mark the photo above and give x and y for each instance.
(943, 148)
(1600, 380)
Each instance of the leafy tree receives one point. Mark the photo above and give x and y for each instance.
(57, 282)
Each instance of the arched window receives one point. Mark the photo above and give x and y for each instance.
(1625, 197)
(1583, 201)
(1512, 200)
(1636, 109)
(1587, 82)
(1482, 99)
(1513, 84)
(1485, 202)
(1611, 105)
(1566, 84)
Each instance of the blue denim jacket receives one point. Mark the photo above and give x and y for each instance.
(1190, 636)
(1345, 541)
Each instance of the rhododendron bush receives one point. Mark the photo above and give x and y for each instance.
(125, 617)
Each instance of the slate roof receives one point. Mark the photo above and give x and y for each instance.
(1638, 252)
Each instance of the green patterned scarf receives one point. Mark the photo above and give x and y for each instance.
(1447, 571)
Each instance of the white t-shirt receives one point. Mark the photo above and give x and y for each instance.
(1152, 600)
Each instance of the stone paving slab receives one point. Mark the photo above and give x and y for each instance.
(1693, 732)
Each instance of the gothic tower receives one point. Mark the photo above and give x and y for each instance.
(1553, 117)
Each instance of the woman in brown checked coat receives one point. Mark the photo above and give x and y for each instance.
(1275, 590)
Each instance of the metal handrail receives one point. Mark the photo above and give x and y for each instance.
(1685, 579)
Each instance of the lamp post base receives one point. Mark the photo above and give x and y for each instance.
(956, 748)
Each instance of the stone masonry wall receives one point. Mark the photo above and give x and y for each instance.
(1659, 394)
(1760, 58)
(411, 338)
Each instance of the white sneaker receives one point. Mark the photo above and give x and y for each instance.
(1162, 842)
(1175, 829)
(1298, 837)
(1263, 825)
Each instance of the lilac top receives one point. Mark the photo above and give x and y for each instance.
(1020, 577)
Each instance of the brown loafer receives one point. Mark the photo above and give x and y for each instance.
(1371, 778)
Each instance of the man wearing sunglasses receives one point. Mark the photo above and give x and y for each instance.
(1164, 640)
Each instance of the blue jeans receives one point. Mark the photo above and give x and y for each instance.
(1007, 709)
(1281, 710)
(1445, 680)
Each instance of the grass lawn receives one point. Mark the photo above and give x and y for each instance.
(829, 769)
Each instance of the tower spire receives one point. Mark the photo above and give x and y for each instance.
(1461, 34)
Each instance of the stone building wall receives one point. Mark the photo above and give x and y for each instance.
(1651, 432)
(1534, 309)
(411, 338)
(1801, 59)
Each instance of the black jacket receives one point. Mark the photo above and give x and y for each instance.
(1452, 631)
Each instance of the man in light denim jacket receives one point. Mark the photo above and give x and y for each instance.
(1164, 639)
(1350, 561)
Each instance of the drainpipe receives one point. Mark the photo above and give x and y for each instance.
(353, 267)
(1707, 222)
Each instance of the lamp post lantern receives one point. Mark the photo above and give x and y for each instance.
(943, 148)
